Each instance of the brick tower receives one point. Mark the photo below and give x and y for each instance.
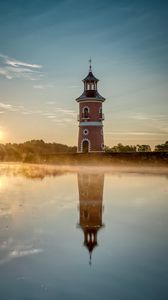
(90, 117)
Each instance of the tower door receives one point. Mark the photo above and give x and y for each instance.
(85, 146)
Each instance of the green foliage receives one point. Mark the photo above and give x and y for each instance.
(143, 148)
(31, 150)
(121, 148)
(129, 148)
(162, 147)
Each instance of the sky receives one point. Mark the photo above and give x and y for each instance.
(44, 51)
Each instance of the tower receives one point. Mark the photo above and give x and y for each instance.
(90, 207)
(90, 138)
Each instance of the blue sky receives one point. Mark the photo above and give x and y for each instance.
(44, 52)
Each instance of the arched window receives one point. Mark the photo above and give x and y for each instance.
(86, 112)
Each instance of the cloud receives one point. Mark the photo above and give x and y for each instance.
(51, 117)
(21, 253)
(11, 68)
(43, 86)
(59, 115)
(38, 86)
(65, 111)
(50, 103)
(140, 116)
(64, 115)
(18, 253)
(16, 63)
(135, 133)
(10, 107)
(73, 86)
(6, 244)
(4, 72)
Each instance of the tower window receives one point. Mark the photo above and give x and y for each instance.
(86, 112)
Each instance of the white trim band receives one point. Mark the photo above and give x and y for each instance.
(91, 124)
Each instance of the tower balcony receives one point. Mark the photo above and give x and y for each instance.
(83, 118)
(101, 117)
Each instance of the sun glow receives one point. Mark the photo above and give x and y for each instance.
(1, 135)
(3, 182)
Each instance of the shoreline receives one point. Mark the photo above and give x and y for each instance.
(95, 159)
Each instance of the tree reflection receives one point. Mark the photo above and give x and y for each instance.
(90, 187)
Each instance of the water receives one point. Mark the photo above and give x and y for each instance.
(83, 234)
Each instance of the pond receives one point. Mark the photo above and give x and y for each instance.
(83, 233)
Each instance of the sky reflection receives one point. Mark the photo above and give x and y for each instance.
(49, 228)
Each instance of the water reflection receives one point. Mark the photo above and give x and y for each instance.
(90, 207)
(41, 251)
(38, 172)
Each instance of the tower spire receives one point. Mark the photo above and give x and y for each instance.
(90, 64)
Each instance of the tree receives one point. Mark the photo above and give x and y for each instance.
(143, 148)
(162, 147)
(121, 148)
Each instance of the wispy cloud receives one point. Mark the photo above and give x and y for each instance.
(58, 114)
(10, 107)
(11, 68)
(5, 73)
(9, 251)
(135, 133)
(50, 103)
(73, 86)
(43, 86)
(65, 111)
(6, 244)
(38, 86)
(151, 117)
(51, 117)
(21, 253)
(18, 254)
(16, 63)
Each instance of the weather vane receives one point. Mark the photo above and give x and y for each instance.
(90, 64)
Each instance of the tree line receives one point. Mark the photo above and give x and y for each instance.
(138, 148)
(29, 150)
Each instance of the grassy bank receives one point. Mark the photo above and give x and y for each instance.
(140, 158)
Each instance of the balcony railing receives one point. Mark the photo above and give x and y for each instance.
(84, 118)
(101, 117)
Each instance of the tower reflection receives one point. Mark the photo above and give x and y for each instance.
(90, 187)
